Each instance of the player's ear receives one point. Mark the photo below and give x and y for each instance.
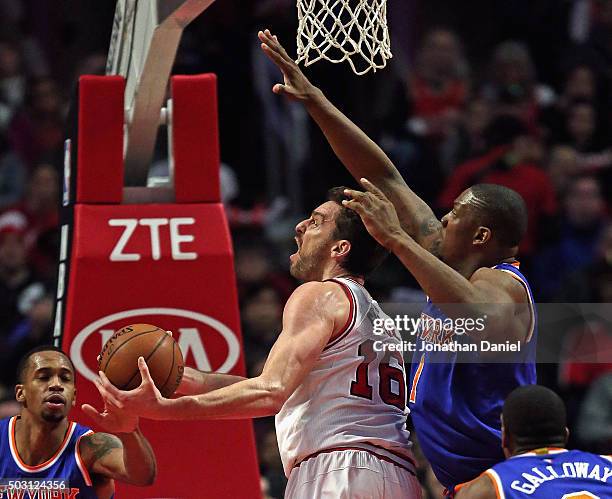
(341, 248)
(19, 393)
(567, 433)
(482, 235)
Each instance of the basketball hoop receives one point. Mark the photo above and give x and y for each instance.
(340, 30)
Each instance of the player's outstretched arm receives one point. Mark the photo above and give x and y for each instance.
(361, 155)
(312, 314)
(195, 382)
(126, 456)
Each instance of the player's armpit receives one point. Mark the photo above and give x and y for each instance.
(127, 458)
(480, 488)
(506, 305)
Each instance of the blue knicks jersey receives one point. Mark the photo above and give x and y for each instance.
(65, 465)
(553, 473)
(456, 397)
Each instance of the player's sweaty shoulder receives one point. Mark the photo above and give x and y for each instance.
(501, 284)
(326, 299)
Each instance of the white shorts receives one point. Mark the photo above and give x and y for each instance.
(351, 474)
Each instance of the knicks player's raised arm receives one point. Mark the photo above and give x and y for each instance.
(360, 155)
(481, 488)
(312, 314)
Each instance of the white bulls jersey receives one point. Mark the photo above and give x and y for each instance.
(355, 395)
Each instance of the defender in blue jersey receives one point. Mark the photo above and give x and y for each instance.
(460, 376)
(534, 435)
(40, 449)
(467, 258)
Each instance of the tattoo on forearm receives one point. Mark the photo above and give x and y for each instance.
(101, 444)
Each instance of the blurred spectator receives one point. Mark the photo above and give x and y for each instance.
(592, 284)
(439, 87)
(432, 100)
(513, 84)
(40, 209)
(582, 131)
(255, 267)
(12, 81)
(562, 165)
(37, 130)
(36, 306)
(514, 165)
(598, 35)
(582, 84)
(12, 175)
(586, 355)
(594, 425)
(581, 227)
(468, 139)
(261, 313)
(16, 277)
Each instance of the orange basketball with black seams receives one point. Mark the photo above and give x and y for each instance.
(119, 358)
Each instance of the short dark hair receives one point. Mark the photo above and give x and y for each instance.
(505, 212)
(24, 362)
(366, 254)
(535, 415)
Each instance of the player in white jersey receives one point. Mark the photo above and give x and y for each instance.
(354, 396)
(338, 393)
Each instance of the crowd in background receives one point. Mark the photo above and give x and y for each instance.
(522, 98)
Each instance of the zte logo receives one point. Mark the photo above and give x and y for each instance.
(156, 230)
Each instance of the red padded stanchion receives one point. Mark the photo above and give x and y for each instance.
(164, 264)
(100, 141)
(196, 143)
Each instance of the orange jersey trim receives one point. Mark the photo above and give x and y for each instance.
(530, 302)
(49, 462)
(494, 477)
(415, 381)
(80, 462)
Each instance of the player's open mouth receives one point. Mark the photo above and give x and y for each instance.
(55, 401)
(297, 241)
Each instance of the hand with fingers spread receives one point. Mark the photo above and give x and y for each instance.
(112, 420)
(377, 212)
(296, 86)
(145, 401)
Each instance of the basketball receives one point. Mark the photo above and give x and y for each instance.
(119, 358)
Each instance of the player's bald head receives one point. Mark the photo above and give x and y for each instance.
(500, 209)
(534, 416)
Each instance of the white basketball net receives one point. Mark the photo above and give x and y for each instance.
(339, 30)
